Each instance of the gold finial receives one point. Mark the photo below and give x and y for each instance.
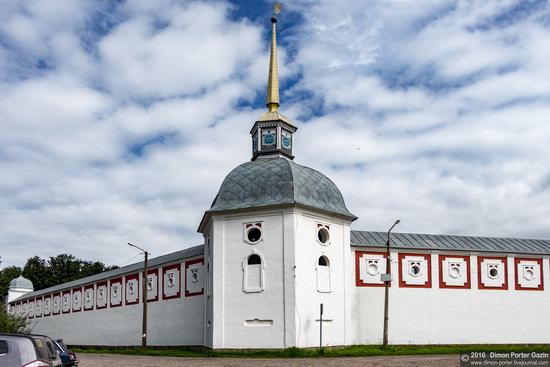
(272, 99)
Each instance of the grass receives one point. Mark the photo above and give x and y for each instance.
(351, 351)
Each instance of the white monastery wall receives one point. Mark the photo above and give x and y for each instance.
(513, 307)
(109, 312)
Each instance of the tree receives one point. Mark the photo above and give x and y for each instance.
(37, 271)
(64, 268)
(48, 273)
(60, 269)
(11, 323)
(6, 276)
(91, 268)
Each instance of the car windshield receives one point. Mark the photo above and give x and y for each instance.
(60, 346)
(45, 348)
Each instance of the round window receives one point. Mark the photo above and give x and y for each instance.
(493, 273)
(323, 235)
(529, 274)
(254, 234)
(372, 268)
(415, 270)
(454, 271)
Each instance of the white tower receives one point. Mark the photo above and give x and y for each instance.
(276, 245)
(18, 287)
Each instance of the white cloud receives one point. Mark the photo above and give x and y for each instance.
(121, 121)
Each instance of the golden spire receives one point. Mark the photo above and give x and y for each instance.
(272, 99)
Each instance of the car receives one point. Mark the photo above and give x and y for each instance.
(28, 350)
(68, 358)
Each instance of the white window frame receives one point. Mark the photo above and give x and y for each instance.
(317, 273)
(249, 226)
(246, 288)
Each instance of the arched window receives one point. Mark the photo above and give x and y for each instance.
(254, 260)
(323, 274)
(253, 274)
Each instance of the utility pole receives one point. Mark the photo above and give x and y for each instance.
(144, 295)
(387, 281)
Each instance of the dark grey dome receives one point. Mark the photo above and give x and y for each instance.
(275, 181)
(21, 282)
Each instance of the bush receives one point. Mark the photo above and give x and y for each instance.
(11, 323)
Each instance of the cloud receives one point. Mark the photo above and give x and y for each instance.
(441, 121)
(115, 135)
(120, 120)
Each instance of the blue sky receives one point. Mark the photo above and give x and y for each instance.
(121, 119)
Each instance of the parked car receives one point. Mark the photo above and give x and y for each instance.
(27, 350)
(68, 358)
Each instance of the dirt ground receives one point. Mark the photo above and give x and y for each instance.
(110, 360)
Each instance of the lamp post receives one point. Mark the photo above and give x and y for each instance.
(387, 281)
(144, 295)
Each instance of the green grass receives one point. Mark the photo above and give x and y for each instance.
(351, 351)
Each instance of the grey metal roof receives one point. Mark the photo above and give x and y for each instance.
(128, 269)
(21, 282)
(274, 181)
(451, 242)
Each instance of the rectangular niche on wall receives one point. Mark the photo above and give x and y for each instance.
(132, 289)
(77, 299)
(101, 295)
(66, 299)
(31, 309)
(454, 271)
(415, 270)
(369, 266)
(24, 309)
(56, 307)
(152, 285)
(529, 274)
(171, 284)
(115, 289)
(89, 297)
(47, 304)
(39, 307)
(194, 277)
(492, 272)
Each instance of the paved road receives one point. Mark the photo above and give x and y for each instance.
(111, 360)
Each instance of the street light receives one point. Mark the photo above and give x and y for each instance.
(144, 295)
(387, 280)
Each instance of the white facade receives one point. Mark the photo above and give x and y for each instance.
(220, 300)
(283, 311)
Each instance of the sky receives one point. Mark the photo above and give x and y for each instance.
(120, 119)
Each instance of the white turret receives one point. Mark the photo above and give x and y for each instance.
(18, 287)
